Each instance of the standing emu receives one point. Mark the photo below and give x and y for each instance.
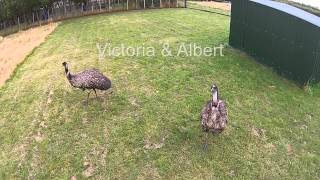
(214, 115)
(90, 79)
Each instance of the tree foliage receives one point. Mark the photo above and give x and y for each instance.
(12, 9)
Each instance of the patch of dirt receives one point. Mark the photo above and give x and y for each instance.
(218, 5)
(43, 125)
(15, 47)
(89, 169)
(149, 172)
(150, 146)
(270, 146)
(39, 137)
(257, 132)
(49, 100)
(231, 173)
(289, 149)
(308, 117)
(94, 161)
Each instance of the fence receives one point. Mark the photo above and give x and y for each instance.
(67, 9)
(279, 35)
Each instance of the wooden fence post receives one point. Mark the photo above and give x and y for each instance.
(127, 4)
(32, 17)
(65, 8)
(39, 21)
(53, 13)
(19, 23)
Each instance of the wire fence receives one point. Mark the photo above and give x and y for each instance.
(67, 9)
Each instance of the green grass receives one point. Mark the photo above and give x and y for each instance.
(46, 132)
(304, 7)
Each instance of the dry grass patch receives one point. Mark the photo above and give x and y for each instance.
(217, 5)
(16, 47)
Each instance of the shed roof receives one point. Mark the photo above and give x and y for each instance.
(299, 13)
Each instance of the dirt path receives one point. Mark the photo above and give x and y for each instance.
(219, 5)
(14, 48)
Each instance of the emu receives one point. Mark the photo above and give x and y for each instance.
(91, 79)
(214, 116)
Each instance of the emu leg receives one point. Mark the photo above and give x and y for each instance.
(95, 92)
(205, 146)
(88, 97)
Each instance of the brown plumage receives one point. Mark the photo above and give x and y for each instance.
(90, 79)
(214, 115)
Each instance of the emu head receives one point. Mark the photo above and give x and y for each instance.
(65, 64)
(215, 96)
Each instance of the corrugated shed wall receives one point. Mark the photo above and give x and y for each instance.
(279, 35)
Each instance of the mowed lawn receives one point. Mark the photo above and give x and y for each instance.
(149, 127)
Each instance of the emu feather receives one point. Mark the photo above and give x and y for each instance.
(91, 79)
(214, 116)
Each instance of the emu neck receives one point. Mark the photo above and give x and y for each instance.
(68, 74)
(215, 98)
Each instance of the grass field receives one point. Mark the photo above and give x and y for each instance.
(149, 127)
(305, 7)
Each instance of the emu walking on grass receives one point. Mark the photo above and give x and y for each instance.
(214, 115)
(90, 79)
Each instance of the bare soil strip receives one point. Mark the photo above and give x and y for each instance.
(219, 5)
(14, 48)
